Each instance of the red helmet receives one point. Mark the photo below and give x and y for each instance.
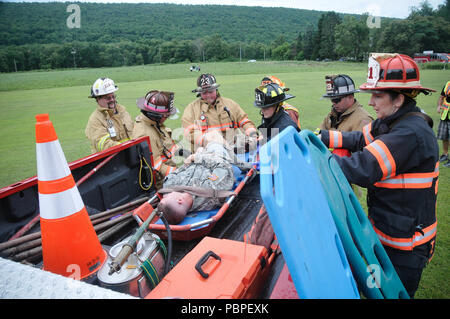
(393, 71)
(157, 103)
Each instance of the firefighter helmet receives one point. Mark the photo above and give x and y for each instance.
(206, 82)
(393, 71)
(103, 86)
(274, 79)
(157, 103)
(339, 85)
(270, 94)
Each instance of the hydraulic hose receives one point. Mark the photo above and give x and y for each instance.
(169, 244)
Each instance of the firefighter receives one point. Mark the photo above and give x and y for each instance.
(291, 110)
(156, 106)
(396, 159)
(212, 112)
(110, 124)
(270, 98)
(346, 113)
(444, 123)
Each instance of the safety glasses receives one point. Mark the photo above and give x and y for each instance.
(336, 100)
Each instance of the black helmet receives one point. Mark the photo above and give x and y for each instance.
(339, 85)
(270, 94)
(205, 82)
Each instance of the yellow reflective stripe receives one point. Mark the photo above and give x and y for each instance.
(447, 88)
(102, 141)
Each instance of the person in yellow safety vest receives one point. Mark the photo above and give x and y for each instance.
(213, 112)
(443, 132)
(291, 110)
(156, 107)
(110, 124)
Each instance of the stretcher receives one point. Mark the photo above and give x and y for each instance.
(372, 268)
(300, 216)
(197, 224)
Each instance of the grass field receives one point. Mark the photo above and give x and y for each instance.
(63, 94)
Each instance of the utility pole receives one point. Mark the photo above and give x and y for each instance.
(240, 52)
(74, 51)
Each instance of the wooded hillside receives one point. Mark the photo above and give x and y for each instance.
(27, 23)
(47, 36)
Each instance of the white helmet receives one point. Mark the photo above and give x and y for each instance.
(103, 86)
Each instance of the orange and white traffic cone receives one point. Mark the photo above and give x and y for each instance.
(70, 246)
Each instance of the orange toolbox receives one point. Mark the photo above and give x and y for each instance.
(216, 269)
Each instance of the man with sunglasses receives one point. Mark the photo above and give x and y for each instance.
(110, 124)
(347, 114)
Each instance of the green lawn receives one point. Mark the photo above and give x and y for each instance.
(63, 94)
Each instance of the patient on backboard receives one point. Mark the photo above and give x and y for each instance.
(202, 183)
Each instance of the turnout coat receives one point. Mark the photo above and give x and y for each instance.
(396, 158)
(107, 128)
(353, 119)
(225, 116)
(163, 147)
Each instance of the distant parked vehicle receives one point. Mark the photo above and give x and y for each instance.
(431, 57)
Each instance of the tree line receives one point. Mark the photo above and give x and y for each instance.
(334, 36)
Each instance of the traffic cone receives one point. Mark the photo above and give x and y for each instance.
(70, 246)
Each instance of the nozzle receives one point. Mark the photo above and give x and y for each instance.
(120, 259)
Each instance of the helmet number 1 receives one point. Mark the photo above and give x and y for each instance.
(373, 73)
(370, 75)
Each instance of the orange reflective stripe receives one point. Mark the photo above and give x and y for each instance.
(172, 150)
(384, 157)
(56, 186)
(410, 180)
(158, 163)
(244, 121)
(170, 169)
(222, 126)
(417, 239)
(335, 139)
(366, 132)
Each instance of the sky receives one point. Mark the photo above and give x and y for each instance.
(376, 8)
